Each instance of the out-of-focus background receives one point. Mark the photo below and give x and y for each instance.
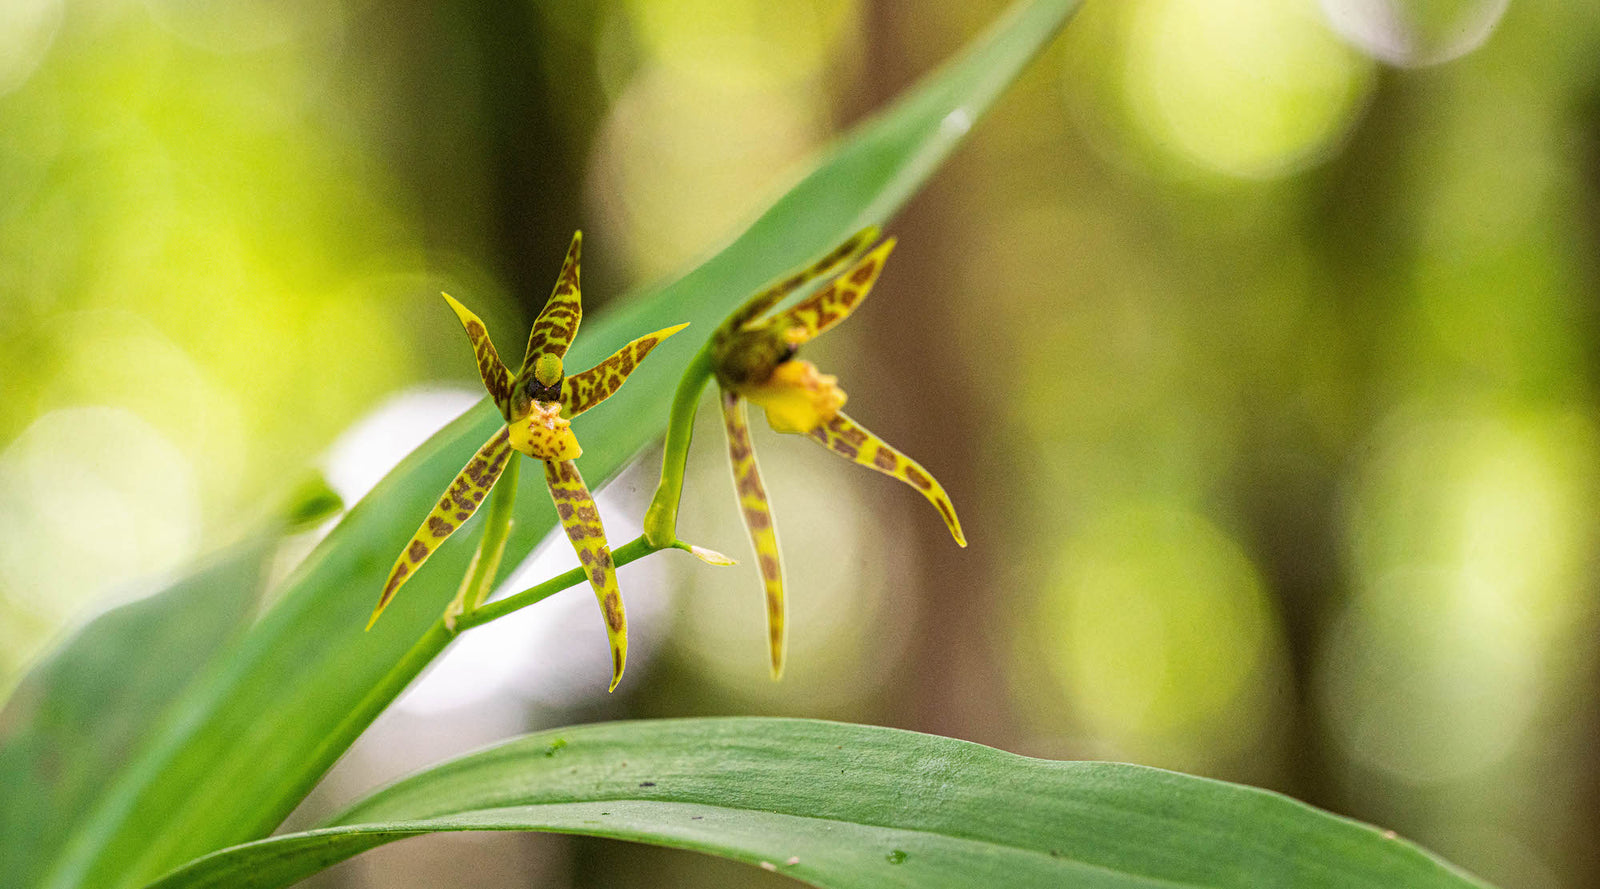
(1254, 339)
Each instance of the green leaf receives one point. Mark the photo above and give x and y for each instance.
(70, 724)
(250, 739)
(859, 806)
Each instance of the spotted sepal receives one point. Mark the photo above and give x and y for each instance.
(496, 378)
(834, 303)
(758, 522)
(847, 438)
(579, 392)
(455, 506)
(558, 323)
(746, 314)
(581, 520)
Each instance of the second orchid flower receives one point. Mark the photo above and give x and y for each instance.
(753, 359)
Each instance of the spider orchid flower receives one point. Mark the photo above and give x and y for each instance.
(753, 359)
(538, 405)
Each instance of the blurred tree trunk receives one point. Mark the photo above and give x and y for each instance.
(537, 137)
(953, 682)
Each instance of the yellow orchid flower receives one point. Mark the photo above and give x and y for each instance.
(753, 359)
(538, 404)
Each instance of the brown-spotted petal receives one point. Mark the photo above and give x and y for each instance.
(582, 391)
(834, 303)
(758, 522)
(848, 438)
(455, 506)
(557, 324)
(581, 520)
(496, 378)
(757, 305)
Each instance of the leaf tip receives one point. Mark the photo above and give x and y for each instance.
(311, 501)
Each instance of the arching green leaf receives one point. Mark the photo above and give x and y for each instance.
(858, 806)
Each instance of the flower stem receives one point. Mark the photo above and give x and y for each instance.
(633, 550)
(438, 636)
(485, 564)
(661, 519)
(380, 696)
(431, 643)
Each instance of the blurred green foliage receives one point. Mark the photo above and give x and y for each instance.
(1260, 369)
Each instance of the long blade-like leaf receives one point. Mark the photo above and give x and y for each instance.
(71, 723)
(857, 806)
(253, 738)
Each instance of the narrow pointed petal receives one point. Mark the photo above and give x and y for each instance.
(558, 323)
(455, 506)
(774, 294)
(579, 392)
(581, 520)
(834, 303)
(496, 378)
(847, 438)
(758, 522)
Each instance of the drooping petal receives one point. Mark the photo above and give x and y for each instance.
(496, 378)
(834, 303)
(758, 522)
(581, 520)
(455, 506)
(558, 323)
(848, 438)
(766, 299)
(579, 392)
(481, 572)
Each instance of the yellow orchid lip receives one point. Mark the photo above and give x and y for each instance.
(544, 435)
(797, 398)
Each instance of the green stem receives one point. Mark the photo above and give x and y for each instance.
(480, 576)
(491, 546)
(430, 644)
(380, 696)
(633, 550)
(661, 519)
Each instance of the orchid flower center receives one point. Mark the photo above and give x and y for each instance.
(797, 398)
(543, 434)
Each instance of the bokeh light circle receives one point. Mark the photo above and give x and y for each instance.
(234, 26)
(1159, 630)
(1254, 89)
(1413, 33)
(27, 29)
(745, 43)
(92, 498)
(1467, 539)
